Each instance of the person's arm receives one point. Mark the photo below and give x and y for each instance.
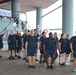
(44, 48)
(16, 43)
(38, 45)
(26, 45)
(59, 45)
(44, 45)
(23, 41)
(56, 47)
(71, 47)
(71, 44)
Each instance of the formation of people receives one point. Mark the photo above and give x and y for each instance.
(50, 48)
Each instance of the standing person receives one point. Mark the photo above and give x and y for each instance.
(68, 50)
(23, 44)
(11, 45)
(42, 39)
(32, 45)
(16, 35)
(49, 47)
(56, 53)
(19, 45)
(24, 39)
(38, 36)
(1, 44)
(73, 50)
(62, 49)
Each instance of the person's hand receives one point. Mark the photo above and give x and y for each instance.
(72, 52)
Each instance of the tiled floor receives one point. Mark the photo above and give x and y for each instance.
(19, 67)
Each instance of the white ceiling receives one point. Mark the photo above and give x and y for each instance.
(29, 5)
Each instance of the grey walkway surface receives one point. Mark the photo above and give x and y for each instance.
(19, 67)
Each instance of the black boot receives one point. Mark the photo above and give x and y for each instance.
(10, 58)
(0, 56)
(51, 67)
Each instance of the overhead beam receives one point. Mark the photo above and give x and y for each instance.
(4, 1)
(52, 11)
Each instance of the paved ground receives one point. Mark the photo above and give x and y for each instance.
(19, 67)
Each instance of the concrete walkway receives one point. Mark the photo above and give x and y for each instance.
(19, 67)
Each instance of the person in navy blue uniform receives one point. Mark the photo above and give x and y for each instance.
(62, 48)
(32, 45)
(49, 47)
(16, 35)
(24, 39)
(19, 45)
(68, 50)
(42, 39)
(23, 45)
(11, 45)
(56, 53)
(37, 34)
(1, 44)
(73, 50)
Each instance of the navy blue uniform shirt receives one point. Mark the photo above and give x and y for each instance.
(68, 44)
(73, 41)
(50, 44)
(25, 38)
(12, 39)
(56, 39)
(42, 39)
(32, 41)
(63, 44)
(19, 40)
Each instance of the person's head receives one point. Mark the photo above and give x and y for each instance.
(50, 35)
(16, 32)
(11, 33)
(55, 35)
(19, 34)
(63, 35)
(44, 34)
(35, 30)
(27, 32)
(68, 36)
(32, 32)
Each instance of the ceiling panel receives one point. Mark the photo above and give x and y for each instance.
(29, 5)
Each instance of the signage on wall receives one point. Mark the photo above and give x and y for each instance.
(5, 13)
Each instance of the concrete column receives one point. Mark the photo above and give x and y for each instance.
(15, 8)
(67, 17)
(39, 19)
